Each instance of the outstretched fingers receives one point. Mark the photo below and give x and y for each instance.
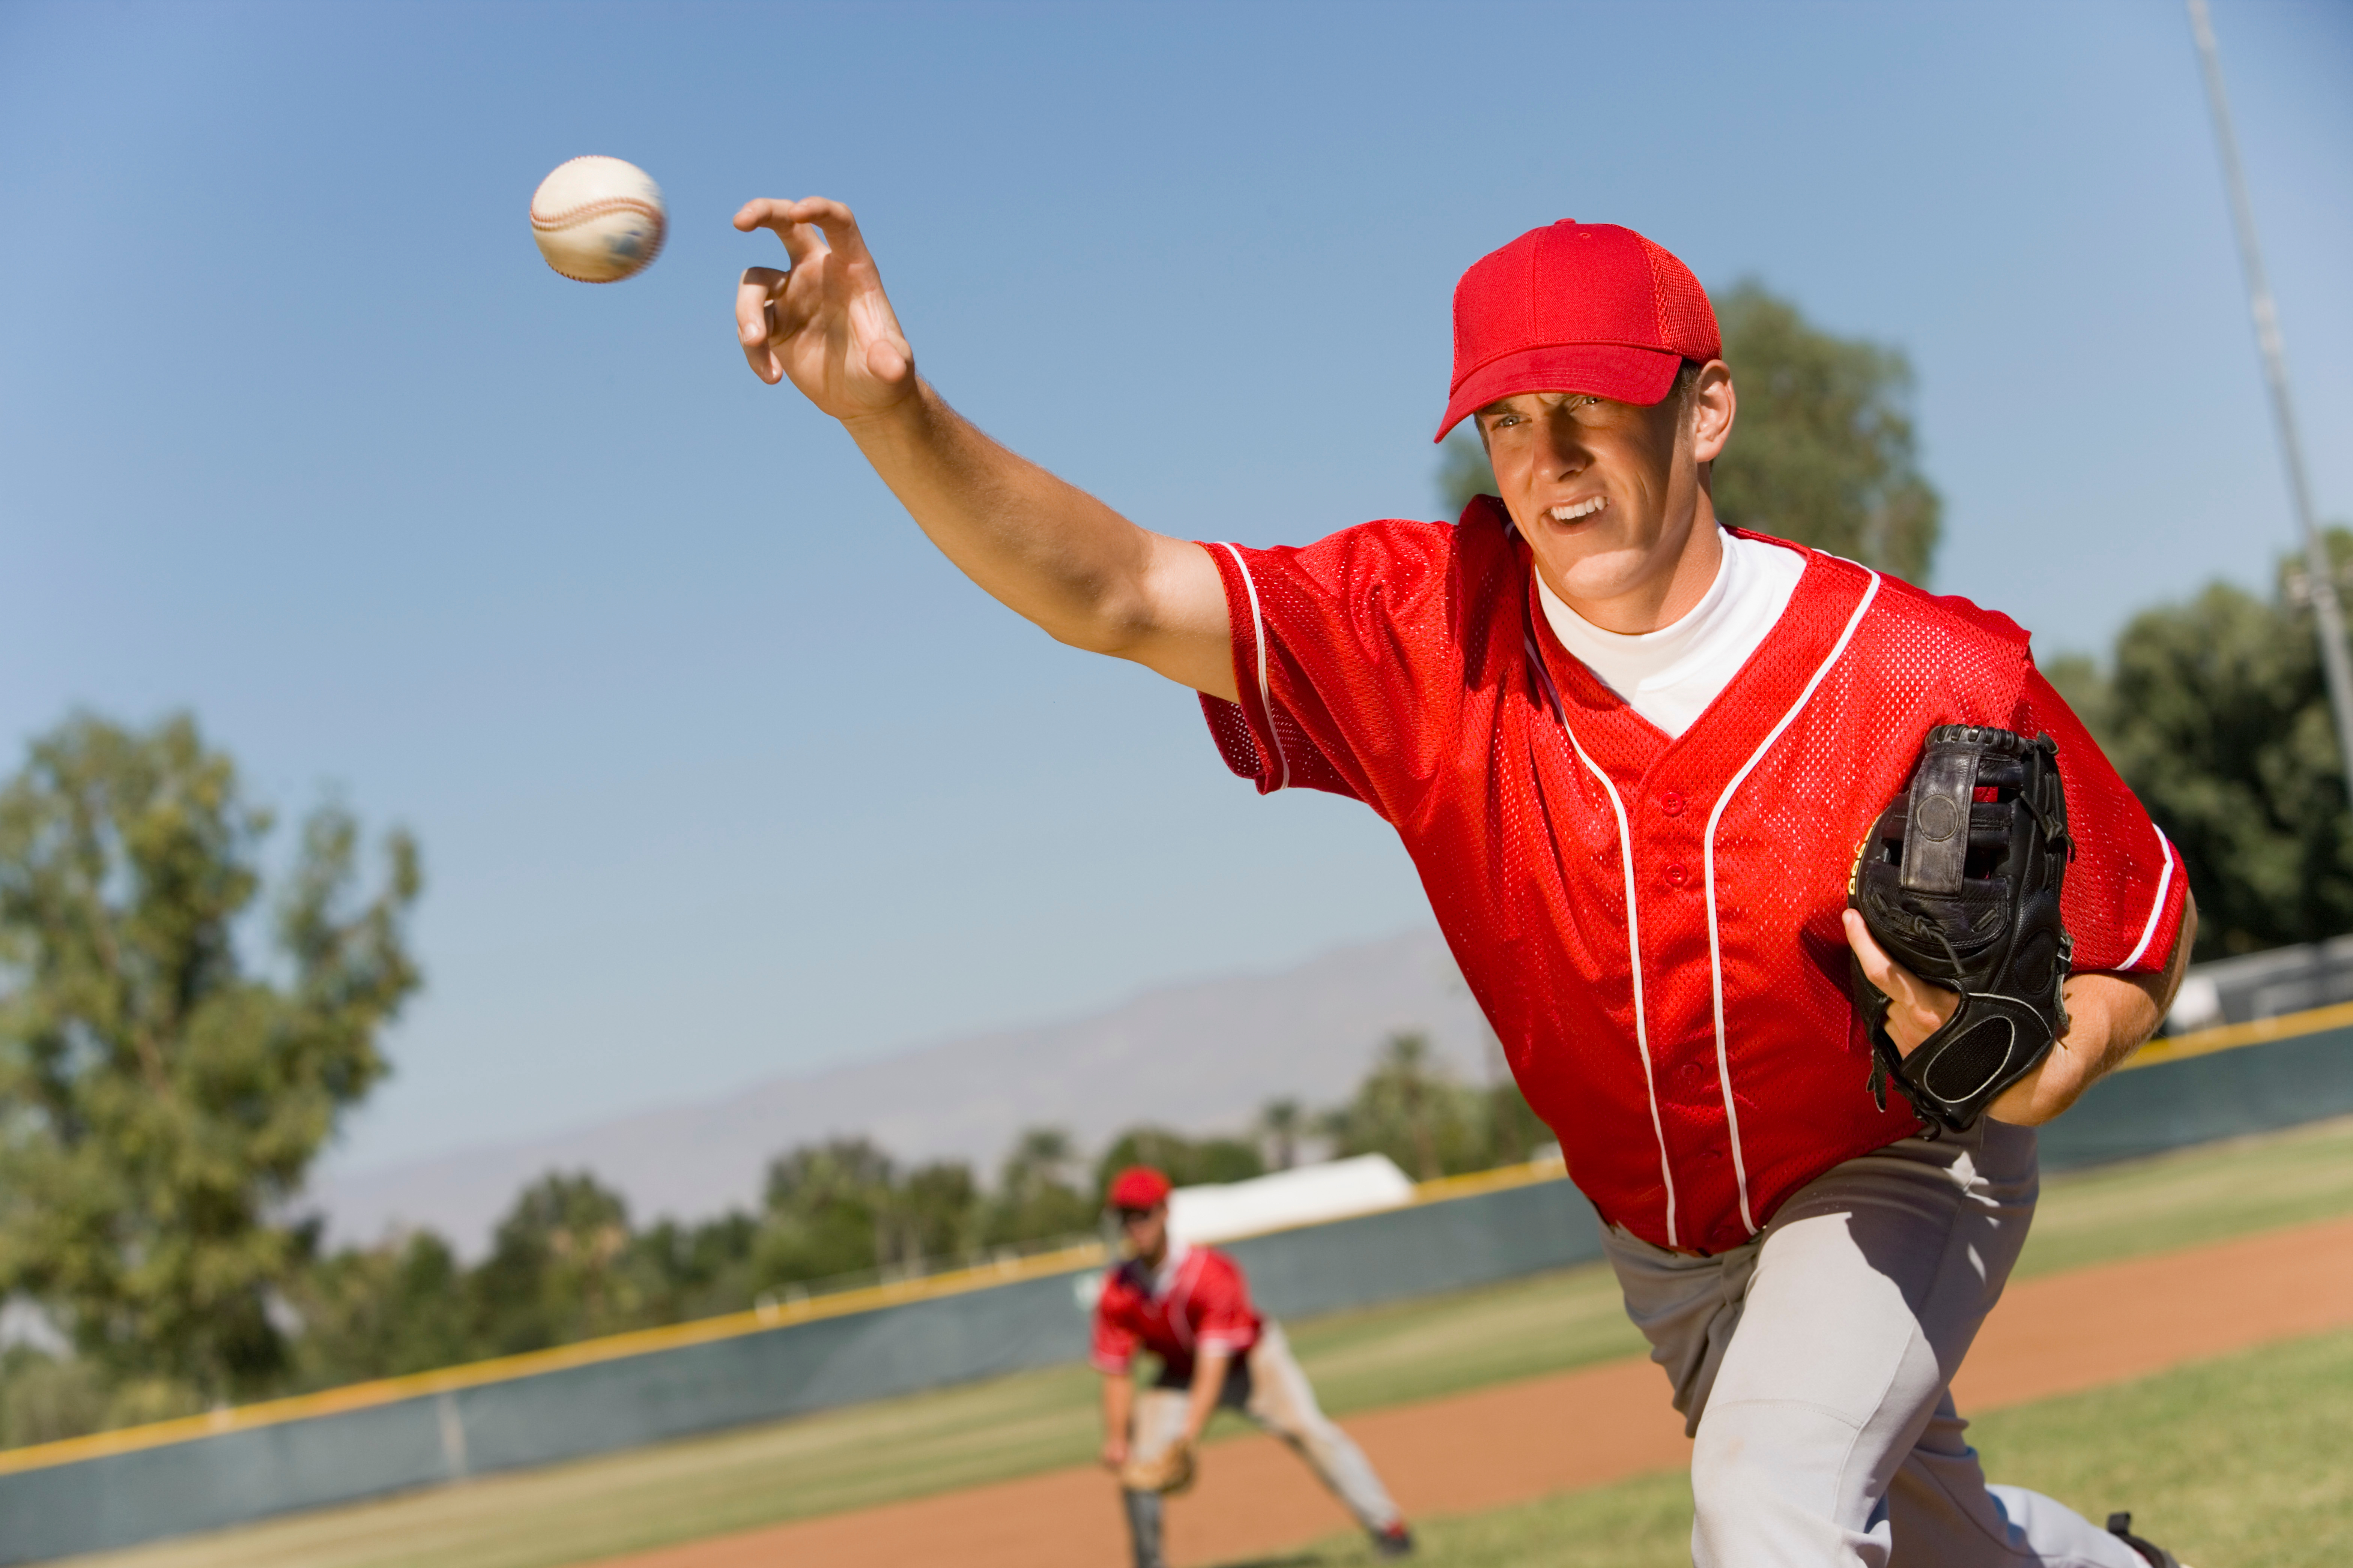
(824, 323)
(801, 224)
(839, 225)
(756, 320)
(802, 239)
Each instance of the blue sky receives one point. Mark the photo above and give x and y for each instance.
(720, 773)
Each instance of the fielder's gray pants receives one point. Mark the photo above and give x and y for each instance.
(1812, 1363)
(1265, 1384)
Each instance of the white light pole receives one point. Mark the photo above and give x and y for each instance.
(2327, 613)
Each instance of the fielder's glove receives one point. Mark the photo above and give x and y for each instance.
(1169, 1470)
(1959, 882)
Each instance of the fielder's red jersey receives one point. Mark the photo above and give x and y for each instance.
(1201, 1303)
(1651, 924)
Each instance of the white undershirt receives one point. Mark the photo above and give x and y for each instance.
(1671, 675)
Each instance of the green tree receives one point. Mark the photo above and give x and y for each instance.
(380, 1312)
(1824, 450)
(1187, 1161)
(697, 1270)
(44, 1397)
(1463, 470)
(558, 1269)
(161, 1102)
(1409, 1109)
(2218, 716)
(933, 1213)
(1036, 1197)
(2078, 679)
(1281, 1124)
(824, 1211)
(1514, 1133)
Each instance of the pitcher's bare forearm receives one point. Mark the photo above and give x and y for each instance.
(2109, 1016)
(1118, 1413)
(1047, 550)
(1201, 1398)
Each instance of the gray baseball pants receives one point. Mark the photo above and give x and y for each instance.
(1813, 1364)
(1265, 1384)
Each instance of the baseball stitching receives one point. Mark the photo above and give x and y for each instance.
(598, 209)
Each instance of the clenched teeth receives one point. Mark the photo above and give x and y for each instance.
(1582, 509)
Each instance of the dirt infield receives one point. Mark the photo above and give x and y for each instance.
(2057, 1334)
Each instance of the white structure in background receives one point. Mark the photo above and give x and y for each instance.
(2197, 1006)
(1308, 1195)
(22, 1322)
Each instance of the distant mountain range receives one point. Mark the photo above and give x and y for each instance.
(1198, 1057)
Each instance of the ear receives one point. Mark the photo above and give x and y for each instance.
(1713, 407)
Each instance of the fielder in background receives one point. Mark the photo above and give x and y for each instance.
(1636, 756)
(1191, 1308)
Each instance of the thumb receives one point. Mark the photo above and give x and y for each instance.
(889, 362)
(1866, 948)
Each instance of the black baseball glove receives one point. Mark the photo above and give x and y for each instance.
(1959, 881)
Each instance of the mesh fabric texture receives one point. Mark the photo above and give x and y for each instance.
(1409, 666)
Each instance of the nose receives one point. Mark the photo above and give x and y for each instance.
(1566, 454)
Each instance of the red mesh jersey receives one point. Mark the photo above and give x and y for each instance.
(1205, 1304)
(1651, 924)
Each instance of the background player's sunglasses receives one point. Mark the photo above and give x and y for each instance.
(1129, 1216)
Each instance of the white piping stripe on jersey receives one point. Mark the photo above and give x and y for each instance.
(1258, 640)
(2157, 909)
(1714, 946)
(1633, 928)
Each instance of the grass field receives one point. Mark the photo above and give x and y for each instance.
(1020, 1426)
(2236, 1461)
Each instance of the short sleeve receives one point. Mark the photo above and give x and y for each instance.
(1221, 1299)
(2125, 890)
(1347, 659)
(1113, 1350)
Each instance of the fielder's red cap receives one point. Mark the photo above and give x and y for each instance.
(1576, 307)
(1138, 1187)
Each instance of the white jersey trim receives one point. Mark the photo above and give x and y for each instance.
(2157, 907)
(1258, 641)
(1633, 928)
(1714, 944)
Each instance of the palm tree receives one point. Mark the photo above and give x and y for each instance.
(1280, 1123)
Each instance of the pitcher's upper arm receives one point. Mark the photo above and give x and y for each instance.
(1180, 627)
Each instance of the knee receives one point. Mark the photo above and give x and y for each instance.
(1773, 1475)
(1733, 1476)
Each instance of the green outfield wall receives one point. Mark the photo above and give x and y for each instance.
(118, 1488)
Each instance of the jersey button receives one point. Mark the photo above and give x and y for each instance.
(1676, 876)
(1672, 802)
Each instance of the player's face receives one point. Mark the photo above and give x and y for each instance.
(1608, 494)
(1146, 1231)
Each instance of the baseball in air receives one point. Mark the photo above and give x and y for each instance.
(598, 220)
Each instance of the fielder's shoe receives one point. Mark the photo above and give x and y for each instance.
(2120, 1526)
(1397, 1540)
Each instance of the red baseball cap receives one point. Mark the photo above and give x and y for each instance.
(1138, 1187)
(1576, 307)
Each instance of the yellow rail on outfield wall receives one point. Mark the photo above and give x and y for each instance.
(642, 1341)
(703, 1330)
(2230, 1036)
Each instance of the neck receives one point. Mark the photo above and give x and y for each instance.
(1663, 595)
